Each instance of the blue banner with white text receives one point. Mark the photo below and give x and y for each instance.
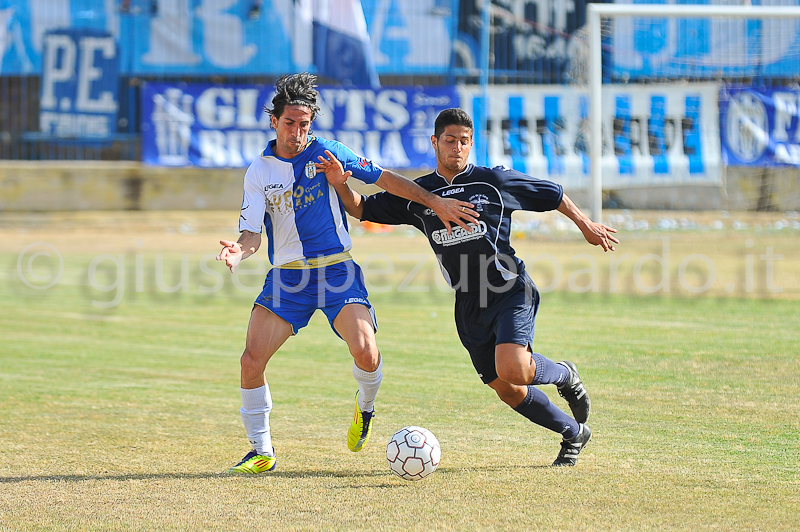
(79, 87)
(215, 126)
(248, 37)
(760, 126)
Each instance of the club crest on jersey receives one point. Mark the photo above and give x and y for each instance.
(310, 170)
(479, 200)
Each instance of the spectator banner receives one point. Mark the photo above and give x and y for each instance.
(708, 48)
(760, 126)
(159, 37)
(206, 37)
(79, 87)
(652, 134)
(411, 36)
(215, 126)
(536, 38)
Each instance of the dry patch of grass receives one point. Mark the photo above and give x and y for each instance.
(126, 418)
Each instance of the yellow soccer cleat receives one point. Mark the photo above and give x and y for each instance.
(360, 429)
(255, 463)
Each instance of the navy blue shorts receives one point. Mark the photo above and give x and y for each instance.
(507, 317)
(295, 295)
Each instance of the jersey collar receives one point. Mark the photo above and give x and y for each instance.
(269, 150)
(467, 170)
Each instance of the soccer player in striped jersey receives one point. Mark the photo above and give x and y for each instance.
(308, 246)
(496, 300)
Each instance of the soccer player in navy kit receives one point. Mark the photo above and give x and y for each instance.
(496, 301)
(312, 268)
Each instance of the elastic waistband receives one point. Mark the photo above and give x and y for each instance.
(317, 262)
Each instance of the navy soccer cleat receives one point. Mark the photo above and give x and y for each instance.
(570, 449)
(575, 394)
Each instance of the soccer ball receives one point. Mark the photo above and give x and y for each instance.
(413, 453)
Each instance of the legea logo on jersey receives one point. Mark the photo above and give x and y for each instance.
(452, 191)
(459, 234)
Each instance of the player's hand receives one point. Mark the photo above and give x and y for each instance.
(453, 211)
(601, 235)
(332, 168)
(231, 254)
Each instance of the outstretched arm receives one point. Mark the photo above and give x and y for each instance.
(352, 200)
(235, 252)
(451, 211)
(595, 233)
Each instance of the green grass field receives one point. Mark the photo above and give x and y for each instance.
(126, 417)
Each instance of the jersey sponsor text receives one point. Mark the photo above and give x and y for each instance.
(458, 234)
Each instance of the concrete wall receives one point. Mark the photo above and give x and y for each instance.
(68, 186)
(744, 189)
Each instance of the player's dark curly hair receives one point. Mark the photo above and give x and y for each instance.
(451, 117)
(295, 89)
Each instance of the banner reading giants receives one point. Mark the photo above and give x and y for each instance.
(216, 126)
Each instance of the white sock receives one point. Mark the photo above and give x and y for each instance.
(256, 406)
(368, 384)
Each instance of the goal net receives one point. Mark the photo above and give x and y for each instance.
(694, 106)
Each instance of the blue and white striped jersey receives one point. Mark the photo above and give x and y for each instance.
(301, 213)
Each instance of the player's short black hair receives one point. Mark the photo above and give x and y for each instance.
(295, 89)
(451, 117)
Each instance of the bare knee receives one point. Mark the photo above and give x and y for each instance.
(514, 364)
(508, 397)
(366, 356)
(515, 374)
(365, 352)
(510, 394)
(252, 366)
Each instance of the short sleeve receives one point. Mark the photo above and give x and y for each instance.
(363, 169)
(251, 217)
(385, 208)
(523, 192)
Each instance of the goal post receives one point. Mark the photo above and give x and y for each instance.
(596, 13)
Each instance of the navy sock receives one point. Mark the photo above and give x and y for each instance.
(549, 372)
(538, 408)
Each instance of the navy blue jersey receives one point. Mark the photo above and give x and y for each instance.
(471, 259)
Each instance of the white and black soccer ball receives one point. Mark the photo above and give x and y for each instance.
(413, 453)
